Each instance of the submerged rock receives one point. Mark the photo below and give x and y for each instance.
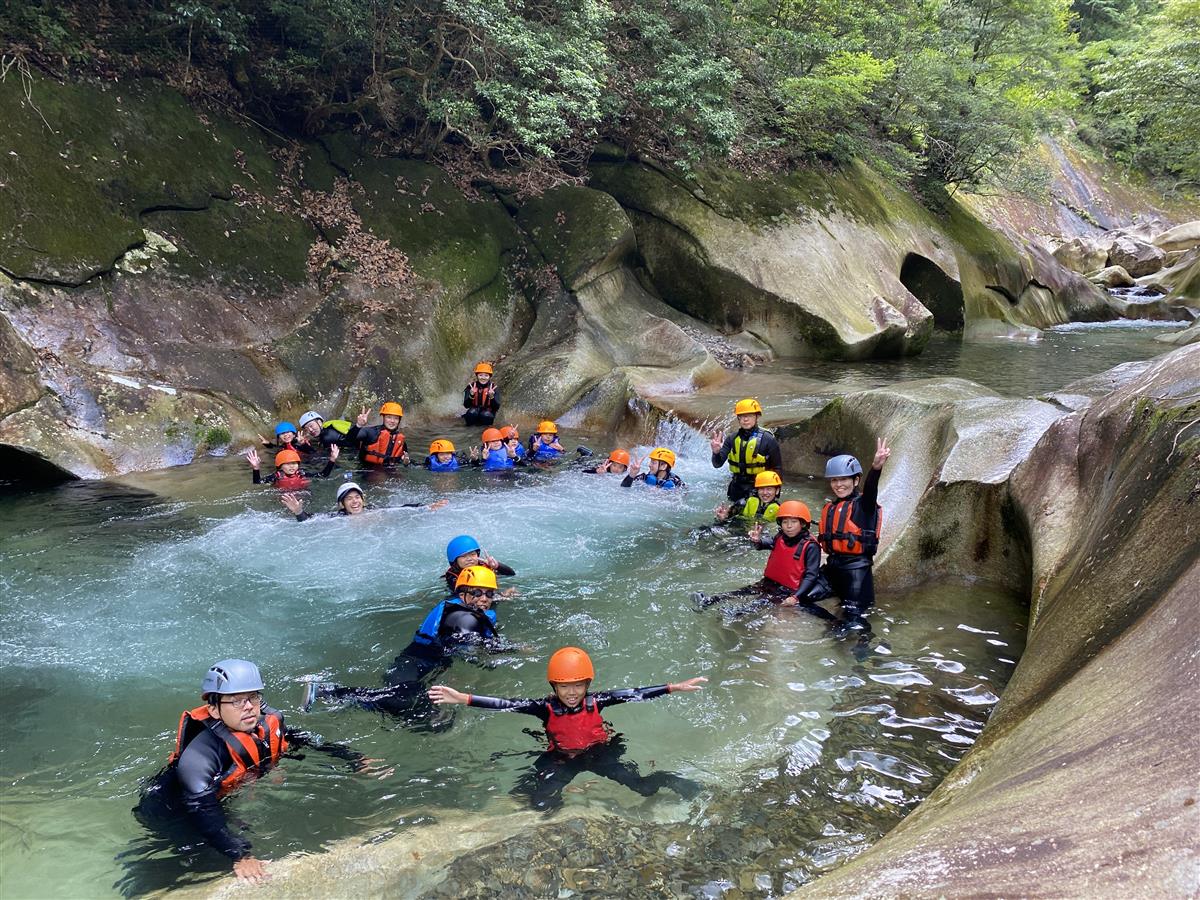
(1112, 276)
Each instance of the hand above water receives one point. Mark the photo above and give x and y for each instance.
(363, 418)
(686, 687)
(334, 452)
(252, 457)
(250, 870)
(756, 532)
(882, 453)
(292, 502)
(716, 440)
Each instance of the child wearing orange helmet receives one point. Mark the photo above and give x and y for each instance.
(494, 454)
(288, 476)
(442, 457)
(481, 400)
(543, 443)
(579, 738)
(616, 464)
(659, 474)
(793, 573)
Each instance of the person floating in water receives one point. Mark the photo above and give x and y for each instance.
(493, 454)
(382, 445)
(350, 502)
(319, 434)
(465, 551)
(762, 507)
(464, 622)
(288, 476)
(616, 464)
(849, 534)
(660, 476)
(481, 400)
(441, 456)
(793, 573)
(512, 443)
(749, 450)
(543, 443)
(285, 439)
(230, 739)
(579, 738)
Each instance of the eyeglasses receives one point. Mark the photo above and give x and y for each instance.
(480, 592)
(244, 700)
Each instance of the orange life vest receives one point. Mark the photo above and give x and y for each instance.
(785, 565)
(388, 447)
(839, 534)
(247, 750)
(481, 396)
(573, 731)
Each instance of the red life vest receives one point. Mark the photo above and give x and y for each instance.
(785, 565)
(481, 395)
(839, 534)
(248, 751)
(297, 482)
(573, 731)
(388, 447)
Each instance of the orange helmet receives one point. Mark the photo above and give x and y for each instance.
(547, 427)
(768, 479)
(793, 509)
(620, 457)
(492, 434)
(510, 431)
(286, 456)
(476, 576)
(441, 446)
(569, 664)
(484, 367)
(662, 454)
(391, 408)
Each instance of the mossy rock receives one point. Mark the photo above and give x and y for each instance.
(582, 232)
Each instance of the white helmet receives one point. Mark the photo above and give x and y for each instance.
(310, 416)
(347, 488)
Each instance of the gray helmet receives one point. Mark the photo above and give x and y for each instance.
(310, 416)
(844, 466)
(347, 488)
(231, 676)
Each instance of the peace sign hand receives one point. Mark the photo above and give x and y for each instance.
(363, 418)
(882, 453)
(716, 440)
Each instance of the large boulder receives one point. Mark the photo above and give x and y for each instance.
(1181, 280)
(1136, 257)
(1112, 277)
(1082, 254)
(1181, 237)
(1107, 691)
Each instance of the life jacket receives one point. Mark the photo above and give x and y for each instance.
(754, 508)
(785, 565)
(744, 458)
(666, 484)
(481, 395)
(839, 534)
(497, 460)
(428, 632)
(297, 482)
(248, 751)
(544, 453)
(572, 731)
(433, 465)
(341, 426)
(388, 447)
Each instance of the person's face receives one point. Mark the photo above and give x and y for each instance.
(239, 712)
(790, 527)
(391, 423)
(353, 503)
(444, 457)
(546, 437)
(477, 598)
(494, 445)
(483, 377)
(658, 467)
(313, 428)
(290, 468)
(287, 437)
(570, 693)
(512, 442)
(842, 487)
(767, 494)
(618, 468)
(467, 559)
(748, 421)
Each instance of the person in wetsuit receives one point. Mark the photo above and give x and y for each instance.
(350, 502)
(288, 476)
(762, 507)
(849, 534)
(233, 737)
(579, 738)
(382, 445)
(463, 622)
(481, 400)
(793, 573)
(463, 552)
(616, 464)
(319, 434)
(660, 476)
(749, 450)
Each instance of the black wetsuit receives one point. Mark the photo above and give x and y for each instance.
(767, 590)
(271, 479)
(190, 787)
(850, 574)
(481, 415)
(304, 515)
(451, 574)
(553, 770)
(741, 485)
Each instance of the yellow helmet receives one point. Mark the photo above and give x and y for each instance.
(441, 445)
(746, 407)
(662, 454)
(768, 479)
(391, 408)
(547, 427)
(476, 577)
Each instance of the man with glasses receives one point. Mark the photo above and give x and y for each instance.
(231, 737)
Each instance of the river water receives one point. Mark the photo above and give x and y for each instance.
(116, 596)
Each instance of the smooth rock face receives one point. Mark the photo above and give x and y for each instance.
(1112, 276)
(1189, 335)
(1181, 281)
(1082, 254)
(1181, 237)
(1083, 782)
(1136, 257)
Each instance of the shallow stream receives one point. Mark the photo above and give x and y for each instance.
(116, 596)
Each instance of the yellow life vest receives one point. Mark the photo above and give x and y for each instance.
(751, 510)
(341, 426)
(744, 458)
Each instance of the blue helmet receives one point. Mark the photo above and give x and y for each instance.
(284, 428)
(231, 676)
(464, 543)
(844, 466)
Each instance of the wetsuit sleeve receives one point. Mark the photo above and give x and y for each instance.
(812, 569)
(494, 403)
(365, 438)
(328, 470)
(257, 476)
(864, 512)
(467, 397)
(297, 739)
(627, 481)
(303, 516)
(718, 458)
(767, 543)
(502, 569)
(774, 455)
(629, 695)
(198, 771)
(501, 704)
